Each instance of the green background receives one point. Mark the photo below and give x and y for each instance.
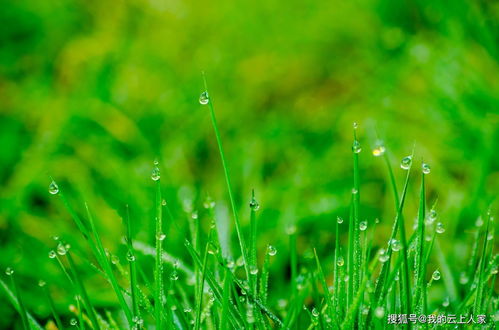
(91, 92)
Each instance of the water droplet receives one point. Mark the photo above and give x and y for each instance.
(363, 225)
(494, 270)
(379, 312)
(354, 191)
(355, 125)
(61, 249)
(440, 228)
(405, 164)
(425, 168)
(160, 236)
(240, 261)
(208, 203)
(187, 310)
(463, 278)
(53, 188)
(174, 276)
(340, 261)
(204, 98)
(254, 270)
(446, 302)
(230, 263)
(490, 236)
(9, 271)
(291, 229)
(379, 150)
(315, 312)
(194, 215)
(383, 255)
(73, 322)
(155, 173)
(137, 320)
(479, 222)
(52, 254)
(356, 148)
(130, 257)
(115, 260)
(254, 206)
(436, 275)
(41, 283)
(339, 220)
(163, 202)
(55, 238)
(396, 246)
(271, 250)
(432, 216)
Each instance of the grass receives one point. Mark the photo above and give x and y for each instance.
(361, 293)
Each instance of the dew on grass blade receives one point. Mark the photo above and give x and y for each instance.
(340, 262)
(494, 270)
(315, 312)
(379, 149)
(41, 283)
(383, 255)
(155, 173)
(61, 249)
(271, 250)
(174, 275)
(356, 148)
(240, 261)
(363, 225)
(425, 168)
(254, 204)
(440, 228)
(208, 203)
(436, 275)
(405, 164)
(204, 98)
(194, 215)
(355, 125)
(130, 257)
(53, 188)
(253, 270)
(9, 271)
(354, 191)
(432, 216)
(379, 312)
(339, 219)
(395, 244)
(73, 322)
(479, 222)
(52, 254)
(446, 302)
(160, 236)
(463, 278)
(163, 202)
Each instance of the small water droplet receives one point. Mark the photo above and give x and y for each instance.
(194, 215)
(52, 254)
(446, 302)
(231, 264)
(432, 216)
(208, 203)
(363, 225)
(383, 255)
(254, 270)
(155, 173)
(174, 276)
(479, 222)
(490, 236)
(187, 310)
(315, 312)
(463, 278)
(9, 271)
(291, 229)
(340, 261)
(240, 261)
(406, 162)
(53, 188)
(254, 204)
(73, 322)
(55, 238)
(61, 249)
(160, 236)
(271, 250)
(339, 220)
(356, 148)
(436, 275)
(425, 168)
(379, 150)
(41, 283)
(204, 98)
(130, 257)
(163, 202)
(355, 125)
(379, 312)
(396, 246)
(115, 259)
(440, 228)
(354, 191)
(494, 270)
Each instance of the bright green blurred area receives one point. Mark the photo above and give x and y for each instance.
(91, 92)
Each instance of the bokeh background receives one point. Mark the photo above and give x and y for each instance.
(91, 92)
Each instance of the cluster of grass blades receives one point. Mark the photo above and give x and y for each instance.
(215, 292)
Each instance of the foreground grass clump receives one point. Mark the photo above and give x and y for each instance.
(363, 288)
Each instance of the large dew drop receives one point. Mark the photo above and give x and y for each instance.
(425, 168)
(405, 164)
(356, 148)
(363, 225)
(53, 188)
(204, 98)
(340, 262)
(254, 206)
(9, 271)
(339, 220)
(436, 275)
(440, 228)
(155, 174)
(271, 250)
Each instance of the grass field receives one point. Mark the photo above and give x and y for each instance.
(248, 165)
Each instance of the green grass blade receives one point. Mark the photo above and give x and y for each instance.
(57, 319)
(420, 239)
(225, 300)
(325, 287)
(21, 307)
(477, 307)
(357, 254)
(229, 185)
(158, 268)
(15, 302)
(132, 265)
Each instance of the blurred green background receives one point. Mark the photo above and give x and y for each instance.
(91, 92)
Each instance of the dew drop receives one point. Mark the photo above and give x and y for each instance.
(432, 216)
(405, 164)
(204, 98)
(73, 322)
(291, 229)
(160, 236)
(355, 125)
(396, 246)
(155, 173)
(163, 202)
(115, 260)
(52, 254)
(53, 188)
(425, 168)
(379, 312)
(208, 203)
(240, 261)
(354, 191)
(315, 312)
(174, 276)
(230, 264)
(490, 236)
(271, 250)
(463, 278)
(383, 256)
(254, 206)
(440, 228)
(254, 270)
(363, 225)
(130, 257)
(61, 249)
(446, 302)
(187, 310)
(494, 270)
(340, 262)
(9, 271)
(339, 220)
(379, 150)
(356, 148)
(479, 222)
(436, 275)
(194, 215)
(41, 283)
